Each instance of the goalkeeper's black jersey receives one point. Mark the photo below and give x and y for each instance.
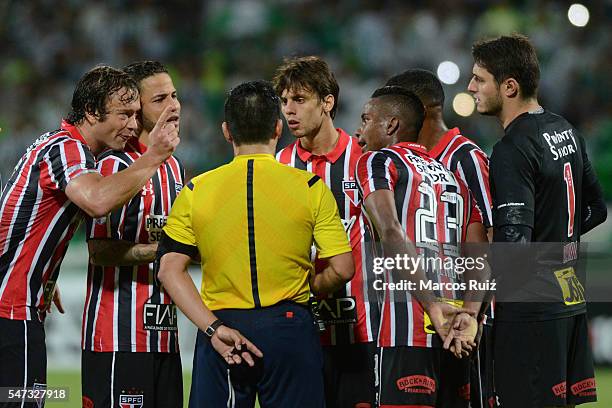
(541, 178)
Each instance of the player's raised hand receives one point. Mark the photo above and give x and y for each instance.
(234, 347)
(164, 137)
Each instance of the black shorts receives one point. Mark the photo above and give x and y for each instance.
(23, 356)
(122, 378)
(482, 391)
(544, 363)
(349, 375)
(290, 374)
(423, 377)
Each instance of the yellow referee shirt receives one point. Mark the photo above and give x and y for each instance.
(253, 222)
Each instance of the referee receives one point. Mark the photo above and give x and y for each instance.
(252, 222)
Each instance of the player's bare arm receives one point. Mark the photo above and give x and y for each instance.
(98, 195)
(339, 270)
(116, 252)
(229, 343)
(380, 206)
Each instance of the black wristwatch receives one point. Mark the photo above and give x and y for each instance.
(210, 330)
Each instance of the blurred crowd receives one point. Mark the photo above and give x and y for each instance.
(210, 46)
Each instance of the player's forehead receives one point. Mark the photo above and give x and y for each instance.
(157, 84)
(123, 99)
(481, 71)
(371, 107)
(298, 90)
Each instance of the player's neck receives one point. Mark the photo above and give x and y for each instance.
(514, 109)
(432, 131)
(88, 134)
(323, 141)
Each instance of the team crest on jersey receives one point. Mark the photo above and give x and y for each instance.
(178, 187)
(351, 190)
(131, 401)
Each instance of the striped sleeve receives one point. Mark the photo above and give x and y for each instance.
(473, 169)
(111, 225)
(375, 171)
(65, 161)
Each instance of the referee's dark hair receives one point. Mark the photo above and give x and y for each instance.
(252, 110)
(94, 90)
(425, 84)
(510, 57)
(143, 69)
(404, 104)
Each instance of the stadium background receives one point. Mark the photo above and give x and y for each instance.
(210, 46)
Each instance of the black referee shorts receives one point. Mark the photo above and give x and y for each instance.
(544, 363)
(423, 377)
(124, 379)
(290, 374)
(23, 357)
(350, 371)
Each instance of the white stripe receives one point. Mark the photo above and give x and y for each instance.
(25, 360)
(293, 154)
(231, 398)
(97, 308)
(278, 155)
(479, 377)
(380, 385)
(483, 190)
(366, 283)
(116, 309)
(112, 382)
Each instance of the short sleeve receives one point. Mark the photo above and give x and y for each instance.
(179, 227)
(473, 168)
(330, 238)
(476, 214)
(512, 175)
(375, 171)
(111, 226)
(64, 162)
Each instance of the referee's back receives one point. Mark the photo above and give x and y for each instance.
(254, 220)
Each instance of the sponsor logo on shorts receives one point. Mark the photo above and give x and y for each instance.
(131, 401)
(40, 401)
(418, 384)
(560, 389)
(87, 402)
(584, 388)
(464, 392)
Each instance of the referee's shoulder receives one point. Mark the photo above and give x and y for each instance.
(297, 175)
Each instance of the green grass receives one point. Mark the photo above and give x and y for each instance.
(72, 380)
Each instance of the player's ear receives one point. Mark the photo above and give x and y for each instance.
(392, 125)
(226, 133)
(510, 87)
(328, 103)
(91, 118)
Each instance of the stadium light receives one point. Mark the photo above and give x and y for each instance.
(463, 104)
(448, 72)
(578, 15)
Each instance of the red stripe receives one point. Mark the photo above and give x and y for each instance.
(285, 154)
(104, 333)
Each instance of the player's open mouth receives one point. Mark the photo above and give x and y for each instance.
(293, 124)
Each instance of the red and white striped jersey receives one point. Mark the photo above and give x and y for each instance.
(37, 220)
(118, 298)
(469, 163)
(434, 209)
(337, 170)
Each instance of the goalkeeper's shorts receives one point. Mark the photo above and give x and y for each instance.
(543, 363)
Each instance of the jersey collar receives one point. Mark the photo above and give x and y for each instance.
(444, 141)
(74, 132)
(264, 156)
(343, 140)
(415, 147)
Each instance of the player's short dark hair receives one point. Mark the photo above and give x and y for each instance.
(510, 57)
(143, 69)
(403, 103)
(252, 110)
(94, 89)
(310, 73)
(425, 84)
